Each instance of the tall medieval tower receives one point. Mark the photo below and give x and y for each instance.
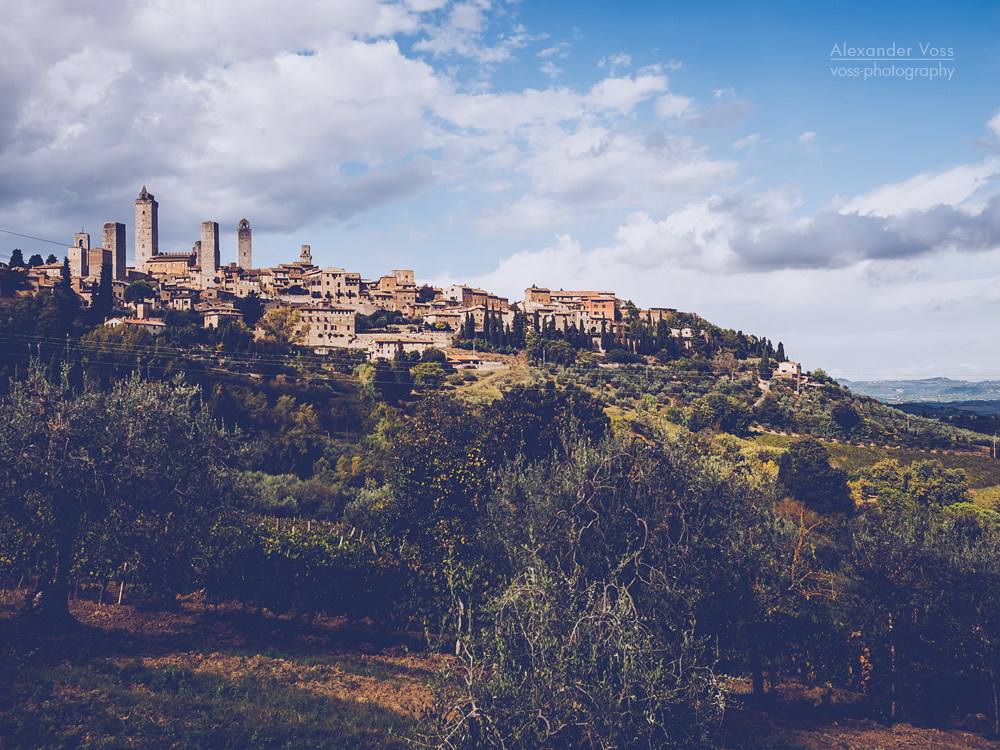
(79, 255)
(114, 240)
(243, 246)
(147, 232)
(209, 255)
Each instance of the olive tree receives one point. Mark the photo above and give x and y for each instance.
(138, 455)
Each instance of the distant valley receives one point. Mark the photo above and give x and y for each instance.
(930, 390)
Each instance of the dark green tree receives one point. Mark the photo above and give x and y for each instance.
(103, 300)
(138, 291)
(17, 258)
(805, 471)
(764, 369)
(252, 309)
(35, 260)
(72, 458)
(401, 373)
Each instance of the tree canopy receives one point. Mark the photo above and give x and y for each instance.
(72, 458)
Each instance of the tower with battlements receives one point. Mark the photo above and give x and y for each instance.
(244, 257)
(147, 239)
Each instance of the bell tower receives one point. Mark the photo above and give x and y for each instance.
(147, 231)
(244, 250)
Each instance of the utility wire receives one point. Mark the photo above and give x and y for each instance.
(28, 236)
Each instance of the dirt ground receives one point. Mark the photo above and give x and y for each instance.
(355, 661)
(818, 719)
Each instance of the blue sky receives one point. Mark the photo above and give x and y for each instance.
(693, 155)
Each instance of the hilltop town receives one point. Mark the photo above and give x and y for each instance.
(327, 298)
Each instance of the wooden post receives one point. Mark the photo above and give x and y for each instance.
(121, 588)
(892, 667)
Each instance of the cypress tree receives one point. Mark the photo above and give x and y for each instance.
(103, 299)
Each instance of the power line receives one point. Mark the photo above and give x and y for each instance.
(28, 236)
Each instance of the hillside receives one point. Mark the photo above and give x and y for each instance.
(267, 510)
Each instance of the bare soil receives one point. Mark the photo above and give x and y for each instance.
(389, 671)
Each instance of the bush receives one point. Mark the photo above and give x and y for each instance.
(622, 357)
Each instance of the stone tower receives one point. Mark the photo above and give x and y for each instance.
(306, 255)
(147, 231)
(243, 246)
(209, 256)
(114, 240)
(79, 255)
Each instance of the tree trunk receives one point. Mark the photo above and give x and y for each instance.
(756, 670)
(892, 669)
(996, 702)
(49, 606)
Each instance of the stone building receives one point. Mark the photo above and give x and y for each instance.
(147, 229)
(324, 325)
(244, 249)
(79, 256)
(114, 240)
(208, 254)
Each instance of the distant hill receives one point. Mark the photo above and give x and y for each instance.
(929, 390)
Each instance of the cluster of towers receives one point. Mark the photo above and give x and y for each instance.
(206, 250)
(86, 261)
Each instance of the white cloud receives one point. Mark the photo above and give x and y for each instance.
(925, 191)
(994, 123)
(615, 62)
(550, 69)
(807, 137)
(557, 50)
(671, 106)
(463, 34)
(527, 214)
(747, 142)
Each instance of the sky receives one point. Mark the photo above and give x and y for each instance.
(750, 162)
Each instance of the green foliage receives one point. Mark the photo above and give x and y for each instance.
(282, 326)
(719, 412)
(622, 357)
(252, 309)
(600, 637)
(806, 473)
(139, 457)
(532, 422)
(138, 291)
(103, 300)
(428, 375)
(921, 484)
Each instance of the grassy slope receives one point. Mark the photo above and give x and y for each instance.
(983, 473)
(191, 679)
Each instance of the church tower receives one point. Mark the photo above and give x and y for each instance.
(147, 231)
(243, 246)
